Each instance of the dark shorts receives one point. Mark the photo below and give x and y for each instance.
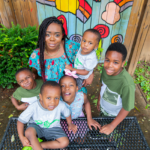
(48, 133)
(79, 83)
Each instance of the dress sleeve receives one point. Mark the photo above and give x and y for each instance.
(34, 60)
(128, 97)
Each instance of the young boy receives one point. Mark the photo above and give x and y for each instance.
(86, 59)
(44, 120)
(29, 88)
(117, 92)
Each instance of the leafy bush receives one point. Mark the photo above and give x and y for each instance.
(16, 45)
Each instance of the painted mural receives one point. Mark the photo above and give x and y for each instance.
(109, 17)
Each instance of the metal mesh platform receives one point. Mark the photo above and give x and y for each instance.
(127, 136)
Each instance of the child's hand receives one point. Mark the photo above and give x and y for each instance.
(72, 127)
(91, 122)
(107, 129)
(68, 67)
(25, 141)
(23, 106)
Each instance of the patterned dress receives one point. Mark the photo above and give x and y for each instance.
(54, 67)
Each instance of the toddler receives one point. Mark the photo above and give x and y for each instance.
(86, 59)
(44, 120)
(29, 89)
(75, 100)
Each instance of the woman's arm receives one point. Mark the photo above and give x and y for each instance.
(36, 73)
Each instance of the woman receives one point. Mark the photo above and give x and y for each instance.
(54, 52)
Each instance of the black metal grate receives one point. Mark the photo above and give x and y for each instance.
(127, 136)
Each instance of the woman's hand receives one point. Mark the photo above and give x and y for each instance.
(89, 80)
(68, 67)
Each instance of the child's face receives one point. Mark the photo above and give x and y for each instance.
(89, 43)
(50, 97)
(68, 89)
(113, 63)
(26, 79)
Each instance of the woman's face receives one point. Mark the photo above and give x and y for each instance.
(53, 36)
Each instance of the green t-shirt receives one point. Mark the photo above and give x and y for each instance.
(28, 96)
(117, 92)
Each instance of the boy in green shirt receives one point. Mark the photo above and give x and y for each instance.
(117, 92)
(29, 89)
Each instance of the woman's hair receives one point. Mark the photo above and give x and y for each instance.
(41, 40)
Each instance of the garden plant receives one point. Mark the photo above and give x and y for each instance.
(16, 45)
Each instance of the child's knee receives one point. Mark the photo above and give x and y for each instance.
(64, 143)
(30, 132)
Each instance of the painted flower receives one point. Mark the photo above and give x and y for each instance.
(53, 62)
(44, 62)
(70, 65)
(38, 53)
(38, 61)
(70, 46)
(33, 55)
(30, 62)
(57, 73)
(46, 77)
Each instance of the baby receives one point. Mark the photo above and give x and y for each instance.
(75, 100)
(29, 89)
(86, 59)
(44, 120)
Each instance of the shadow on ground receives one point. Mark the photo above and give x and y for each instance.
(143, 115)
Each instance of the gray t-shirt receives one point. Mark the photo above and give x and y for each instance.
(87, 62)
(35, 113)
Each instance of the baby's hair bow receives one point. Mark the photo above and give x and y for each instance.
(69, 73)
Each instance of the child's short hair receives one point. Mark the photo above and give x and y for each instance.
(49, 83)
(95, 32)
(67, 76)
(118, 47)
(22, 69)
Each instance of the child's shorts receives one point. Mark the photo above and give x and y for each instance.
(48, 133)
(79, 83)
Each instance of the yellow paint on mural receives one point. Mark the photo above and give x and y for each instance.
(67, 5)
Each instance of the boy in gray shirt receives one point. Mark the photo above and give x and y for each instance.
(44, 120)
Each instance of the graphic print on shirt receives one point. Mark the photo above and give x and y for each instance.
(46, 121)
(110, 96)
(77, 62)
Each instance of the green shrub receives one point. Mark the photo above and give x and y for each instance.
(16, 45)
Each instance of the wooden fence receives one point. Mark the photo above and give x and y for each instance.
(137, 37)
(23, 12)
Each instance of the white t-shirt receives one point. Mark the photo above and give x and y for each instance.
(87, 62)
(35, 113)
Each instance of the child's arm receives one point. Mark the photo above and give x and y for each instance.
(99, 97)
(71, 126)
(20, 129)
(19, 107)
(107, 129)
(78, 71)
(90, 121)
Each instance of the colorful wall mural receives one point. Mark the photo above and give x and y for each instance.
(109, 17)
